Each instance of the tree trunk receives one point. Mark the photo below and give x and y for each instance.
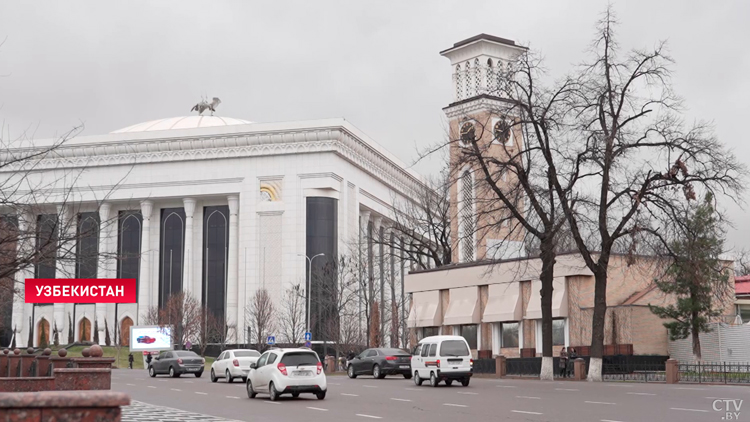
(598, 320)
(547, 277)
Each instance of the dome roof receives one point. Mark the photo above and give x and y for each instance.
(185, 122)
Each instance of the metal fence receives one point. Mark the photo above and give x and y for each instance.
(634, 368)
(532, 367)
(715, 372)
(484, 366)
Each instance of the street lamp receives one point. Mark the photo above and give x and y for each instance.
(309, 286)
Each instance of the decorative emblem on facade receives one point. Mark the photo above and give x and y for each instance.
(205, 105)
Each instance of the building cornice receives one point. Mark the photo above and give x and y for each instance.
(471, 105)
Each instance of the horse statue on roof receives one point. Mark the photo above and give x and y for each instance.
(205, 105)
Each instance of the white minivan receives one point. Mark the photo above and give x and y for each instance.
(442, 358)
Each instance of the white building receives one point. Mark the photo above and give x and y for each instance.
(213, 206)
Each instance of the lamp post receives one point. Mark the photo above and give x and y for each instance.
(309, 286)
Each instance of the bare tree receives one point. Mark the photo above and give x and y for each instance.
(260, 314)
(183, 313)
(292, 315)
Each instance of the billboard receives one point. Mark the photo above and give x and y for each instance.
(150, 338)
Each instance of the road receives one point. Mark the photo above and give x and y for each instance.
(397, 399)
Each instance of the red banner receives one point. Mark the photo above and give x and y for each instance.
(80, 290)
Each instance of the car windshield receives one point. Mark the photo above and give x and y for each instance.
(246, 354)
(185, 354)
(454, 348)
(300, 359)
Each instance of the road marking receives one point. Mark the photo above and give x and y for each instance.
(468, 393)
(599, 402)
(175, 389)
(232, 397)
(454, 405)
(567, 389)
(690, 388)
(413, 389)
(189, 382)
(505, 386)
(317, 408)
(368, 416)
(528, 397)
(400, 399)
(271, 402)
(609, 420)
(333, 383)
(370, 386)
(201, 393)
(350, 395)
(525, 412)
(640, 394)
(132, 385)
(688, 410)
(151, 386)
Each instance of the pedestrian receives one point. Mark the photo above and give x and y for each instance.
(130, 361)
(148, 361)
(563, 365)
(572, 356)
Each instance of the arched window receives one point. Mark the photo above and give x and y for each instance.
(172, 253)
(467, 216)
(84, 330)
(42, 333)
(475, 87)
(459, 83)
(491, 78)
(502, 133)
(215, 246)
(467, 133)
(125, 325)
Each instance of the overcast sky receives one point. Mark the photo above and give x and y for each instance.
(375, 63)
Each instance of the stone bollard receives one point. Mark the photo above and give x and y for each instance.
(579, 369)
(62, 406)
(43, 364)
(500, 366)
(330, 364)
(27, 361)
(4, 363)
(93, 358)
(61, 360)
(672, 371)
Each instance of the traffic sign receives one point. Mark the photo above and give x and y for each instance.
(308, 344)
(308, 336)
(271, 340)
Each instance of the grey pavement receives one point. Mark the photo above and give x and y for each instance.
(397, 399)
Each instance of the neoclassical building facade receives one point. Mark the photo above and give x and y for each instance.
(211, 206)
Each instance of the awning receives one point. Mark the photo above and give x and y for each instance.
(425, 309)
(463, 307)
(559, 299)
(504, 303)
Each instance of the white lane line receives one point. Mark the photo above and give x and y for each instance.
(175, 389)
(393, 398)
(505, 386)
(189, 382)
(368, 416)
(528, 397)
(525, 412)
(350, 395)
(454, 405)
(232, 397)
(688, 410)
(567, 389)
(201, 393)
(333, 383)
(691, 388)
(599, 402)
(370, 386)
(413, 389)
(468, 393)
(151, 386)
(317, 408)
(271, 402)
(609, 420)
(132, 385)
(640, 394)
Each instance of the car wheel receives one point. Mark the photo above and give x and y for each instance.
(407, 376)
(250, 392)
(272, 393)
(417, 379)
(433, 380)
(321, 395)
(465, 382)
(351, 373)
(229, 377)
(295, 395)
(151, 371)
(448, 382)
(213, 376)
(199, 374)
(172, 372)
(376, 373)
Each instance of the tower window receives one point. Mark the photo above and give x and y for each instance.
(467, 216)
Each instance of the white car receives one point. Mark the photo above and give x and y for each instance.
(287, 371)
(233, 364)
(442, 358)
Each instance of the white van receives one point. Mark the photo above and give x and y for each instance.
(442, 358)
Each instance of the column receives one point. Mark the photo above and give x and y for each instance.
(377, 224)
(65, 263)
(25, 247)
(364, 220)
(105, 257)
(187, 270)
(145, 274)
(233, 311)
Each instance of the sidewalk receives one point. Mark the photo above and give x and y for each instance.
(144, 412)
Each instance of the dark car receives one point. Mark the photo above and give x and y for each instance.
(145, 339)
(176, 363)
(381, 362)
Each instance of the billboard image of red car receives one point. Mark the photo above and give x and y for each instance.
(145, 339)
(151, 338)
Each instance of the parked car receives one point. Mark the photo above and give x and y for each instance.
(145, 339)
(381, 362)
(176, 363)
(233, 364)
(442, 358)
(287, 371)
